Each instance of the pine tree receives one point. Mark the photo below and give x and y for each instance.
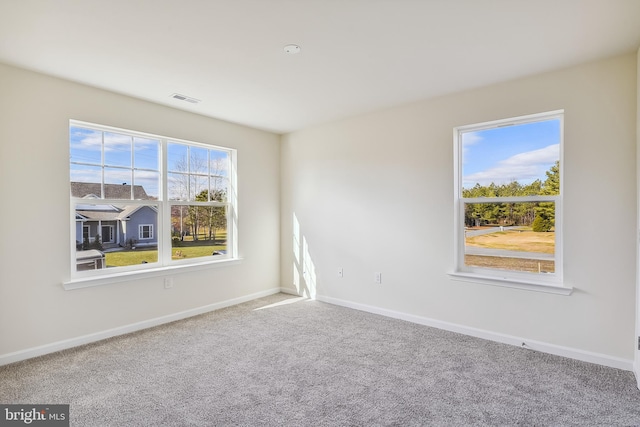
(546, 211)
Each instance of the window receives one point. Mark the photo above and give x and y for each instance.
(144, 201)
(145, 231)
(508, 215)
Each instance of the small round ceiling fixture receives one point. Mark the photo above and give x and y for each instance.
(292, 49)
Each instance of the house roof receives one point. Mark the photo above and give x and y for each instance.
(92, 215)
(111, 191)
(130, 210)
(108, 212)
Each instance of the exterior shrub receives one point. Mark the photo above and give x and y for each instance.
(541, 224)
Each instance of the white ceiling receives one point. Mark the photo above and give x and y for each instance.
(357, 55)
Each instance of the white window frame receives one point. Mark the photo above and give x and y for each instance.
(141, 231)
(550, 282)
(164, 265)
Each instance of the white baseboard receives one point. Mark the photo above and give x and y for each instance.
(572, 353)
(585, 356)
(29, 353)
(636, 370)
(290, 291)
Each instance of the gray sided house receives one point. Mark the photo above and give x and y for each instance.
(118, 225)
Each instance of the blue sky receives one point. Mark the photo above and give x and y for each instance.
(85, 146)
(502, 155)
(129, 159)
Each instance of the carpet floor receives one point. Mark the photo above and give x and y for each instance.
(287, 361)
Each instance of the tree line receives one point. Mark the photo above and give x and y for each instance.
(197, 221)
(538, 215)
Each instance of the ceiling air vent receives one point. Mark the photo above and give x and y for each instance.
(185, 98)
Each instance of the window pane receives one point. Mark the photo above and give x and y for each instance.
(219, 166)
(117, 183)
(198, 160)
(146, 153)
(85, 174)
(524, 154)
(147, 185)
(219, 189)
(510, 236)
(198, 231)
(117, 149)
(178, 186)
(85, 145)
(177, 158)
(107, 236)
(199, 185)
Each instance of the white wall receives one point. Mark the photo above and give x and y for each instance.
(637, 348)
(34, 217)
(375, 193)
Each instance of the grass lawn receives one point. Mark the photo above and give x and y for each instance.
(523, 240)
(123, 258)
(195, 251)
(516, 240)
(204, 238)
(513, 264)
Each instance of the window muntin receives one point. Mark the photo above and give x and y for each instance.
(100, 157)
(508, 198)
(197, 173)
(123, 184)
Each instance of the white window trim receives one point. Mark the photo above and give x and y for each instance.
(165, 265)
(551, 283)
(141, 231)
(128, 276)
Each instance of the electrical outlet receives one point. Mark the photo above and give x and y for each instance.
(168, 282)
(377, 277)
(340, 273)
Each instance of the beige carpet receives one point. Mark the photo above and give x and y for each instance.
(282, 360)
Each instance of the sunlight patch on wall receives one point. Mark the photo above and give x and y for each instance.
(304, 273)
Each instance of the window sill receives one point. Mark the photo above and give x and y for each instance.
(106, 279)
(531, 285)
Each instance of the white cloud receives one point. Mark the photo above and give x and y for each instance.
(117, 142)
(470, 138)
(82, 141)
(112, 141)
(84, 175)
(523, 167)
